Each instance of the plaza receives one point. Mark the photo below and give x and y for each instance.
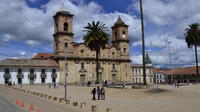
(161, 98)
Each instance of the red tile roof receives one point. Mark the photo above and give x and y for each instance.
(43, 56)
(29, 63)
(179, 71)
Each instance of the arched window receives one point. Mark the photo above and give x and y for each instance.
(56, 26)
(124, 34)
(65, 26)
(116, 35)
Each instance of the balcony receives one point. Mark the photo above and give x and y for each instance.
(43, 75)
(7, 75)
(32, 75)
(54, 75)
(113, 70)
(82, 70)
(20, 75)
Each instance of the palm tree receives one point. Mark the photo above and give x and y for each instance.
(96, 39)
(143, 45)
(192, 38)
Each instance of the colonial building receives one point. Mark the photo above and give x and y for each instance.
(137, 73)
(159, 76)
(182, 75)
(27, 71)
(114, 59)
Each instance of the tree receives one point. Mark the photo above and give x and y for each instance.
(96, 39)
(192, 38)
(143, 45)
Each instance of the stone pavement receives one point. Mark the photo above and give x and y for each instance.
(10, 96)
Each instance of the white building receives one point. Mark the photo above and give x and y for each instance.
(29, 71)
(137, 72)
(159, 76)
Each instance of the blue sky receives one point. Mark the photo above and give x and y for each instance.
(27, 28)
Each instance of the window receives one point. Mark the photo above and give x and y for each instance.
(124, 49)
(82, 65)
(65, 26)
(31, 70)
(53, 70)
(19, 70)
(82, 51)
(66, 45)
(114, 77)
(124, 34)
(7, 71)
(43, 71)
(56, 26)
(115, 35)
(113, 67)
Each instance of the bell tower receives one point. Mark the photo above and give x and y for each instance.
(120, 37)
(63, 31)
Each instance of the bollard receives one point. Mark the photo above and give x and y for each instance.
(83, 105)
(61, 100)
(49, 97)
(41, 94)
(67, 101)
(38, 94)
(45, 96)
(55, 98)
(108, 110)
(94, 108)
(75, 104)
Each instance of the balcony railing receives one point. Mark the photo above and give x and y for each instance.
(43, 75)
(53, 75)
(82, 70)
(20, 75)
(32, 75)
(7, 75)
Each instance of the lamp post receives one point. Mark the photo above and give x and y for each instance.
(23, 54)
(170, 63)
(143, 44)
(65, 51)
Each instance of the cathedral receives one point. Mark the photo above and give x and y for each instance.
(114, 60)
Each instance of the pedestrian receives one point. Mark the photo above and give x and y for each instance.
(102, 93)
(49, 85)
(93, 92)
(57, 85)
(98, 92)
(106, 82)
(54, 85)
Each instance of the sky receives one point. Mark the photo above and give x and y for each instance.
(26, 26)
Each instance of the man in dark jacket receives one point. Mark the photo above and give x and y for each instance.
(102, 93)
(98, 92)
(93, 92)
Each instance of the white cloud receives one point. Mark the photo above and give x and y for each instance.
(25, 23)
(23, 53)
(32, 43)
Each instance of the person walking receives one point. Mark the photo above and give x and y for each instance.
(93, 92)
(98, 92)
(102, 93)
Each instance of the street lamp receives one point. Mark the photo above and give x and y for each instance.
(143, 44)
(65, 53)
(22, 54)
(170, 63)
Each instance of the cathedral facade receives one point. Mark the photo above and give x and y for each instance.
(114, 60)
